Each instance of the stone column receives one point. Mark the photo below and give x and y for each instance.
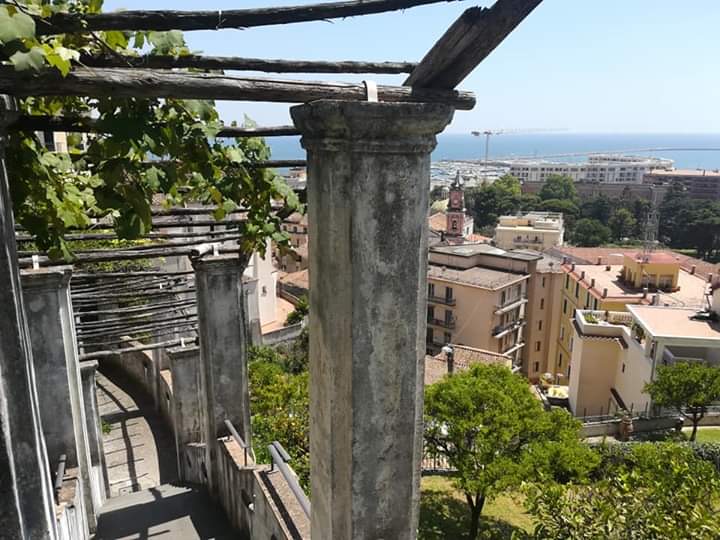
(368, 186)
(98, 478)
(223, 350)
(188, 418)
(46, 292)
(26, 499)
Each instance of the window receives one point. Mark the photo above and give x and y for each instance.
(294, 229)
(565, 306)
(595, 304)
(431, 289)
(542, 303)
(567, 280)
(537, 366)
(572, 341)
(448, 337)
(448, 316)
(537, 346)
(429, 336)
(577, 289)
(448, 293)
(502, 298)
(560, 361)
(539, 325)
(623, 368)
(454, 225)
(562, 333)
(431, 313)
(543, 282)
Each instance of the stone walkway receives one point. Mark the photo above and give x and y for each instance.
(165, 512)
(139, 448)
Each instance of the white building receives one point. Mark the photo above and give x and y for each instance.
(601, 168)
(534, 230)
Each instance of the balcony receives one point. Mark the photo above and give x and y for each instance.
(511, 304)
(504, 329)
(441, 300)
(444, 323)
(603, 323)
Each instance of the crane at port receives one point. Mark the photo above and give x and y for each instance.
(490, 132)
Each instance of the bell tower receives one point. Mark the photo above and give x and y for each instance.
(455, 213)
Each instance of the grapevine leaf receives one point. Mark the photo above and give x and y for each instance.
(33, 59)
(16, 26)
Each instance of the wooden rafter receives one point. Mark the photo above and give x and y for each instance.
(215, 20)
(80, 124)
(245, 64)
(118, 82)
(468, 42)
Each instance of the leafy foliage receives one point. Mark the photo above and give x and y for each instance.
(280, 403)
(496, 435)
(687, 222)
(688, 387)
(299, 313)
(659, 491)
(590, 232)
(151, 146)
(558, 186)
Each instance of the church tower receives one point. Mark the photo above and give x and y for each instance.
(455, 213)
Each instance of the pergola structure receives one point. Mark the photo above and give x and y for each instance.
(368, 156)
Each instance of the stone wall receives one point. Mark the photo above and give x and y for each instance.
(70, 509)
(281, 335)
(611, 428)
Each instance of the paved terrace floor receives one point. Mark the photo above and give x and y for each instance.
(145, 502)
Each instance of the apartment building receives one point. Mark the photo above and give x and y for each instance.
(699, 183)
(601, 168)
(533, 230)
(617, 353)
(296, 226)
(476, 297)
(642, 279)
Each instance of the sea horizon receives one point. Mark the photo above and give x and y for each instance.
(687, 150)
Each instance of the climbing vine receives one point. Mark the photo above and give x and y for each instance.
(147, 146)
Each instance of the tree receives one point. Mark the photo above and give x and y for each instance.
(299, 313)
(438, 193)
(148, 146)
(558, 186)
(490, 201)
(590, 233)
(622, 223)
(529, 202)
(659, 491)
(495, 434)
(599, 208)
(688, 387)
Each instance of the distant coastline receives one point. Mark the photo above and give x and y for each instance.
(458, 146)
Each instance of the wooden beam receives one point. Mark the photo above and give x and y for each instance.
(245, 64)
(118, 82)
(468, 42)
(81, 124)
(61, 23)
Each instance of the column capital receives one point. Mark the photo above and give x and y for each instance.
(216, 263)
(55, 277)
(182, 353)
(374, 127)
(88, 368)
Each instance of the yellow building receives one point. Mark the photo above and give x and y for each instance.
(642, 279)
(476, 297)
(534, 230)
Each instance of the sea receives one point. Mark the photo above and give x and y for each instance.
(688, 151)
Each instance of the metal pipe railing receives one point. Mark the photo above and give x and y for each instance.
(59, 475)
(280, 458)
(240, 441)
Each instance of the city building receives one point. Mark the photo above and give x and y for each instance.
(296, 259)
(641, 279)
(617, 353)
(460, 358)
(600, 168)
(533, 230)
(699, 183)
(476, 297)
(542, 312)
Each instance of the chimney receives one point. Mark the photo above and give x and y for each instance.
(607, 268)
(599, 261)
(656, 300)
(564, 259)
(592, 283)
(604, 295)
(710, 278)
(693, 268)
(582, 275)
(572, 267)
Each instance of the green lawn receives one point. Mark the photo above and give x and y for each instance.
(444, 514)
(707, 435)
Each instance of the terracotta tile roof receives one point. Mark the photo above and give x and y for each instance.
(436, 366)
(438, 222)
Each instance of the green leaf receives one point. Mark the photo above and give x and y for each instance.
(33, 59)
(165, 42)
(16, 26)
(60, 58)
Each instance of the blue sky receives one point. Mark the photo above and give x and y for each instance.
(626, 66)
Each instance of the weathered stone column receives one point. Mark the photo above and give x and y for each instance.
(223, 351)
(368, 185)
(188, 417)
(46, 292)
(26, 500)
(98, 479)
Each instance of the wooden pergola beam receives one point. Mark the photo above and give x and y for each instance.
(468, 42)
(81, 124)
(118, 82)
(62, 23)
(245, 64)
